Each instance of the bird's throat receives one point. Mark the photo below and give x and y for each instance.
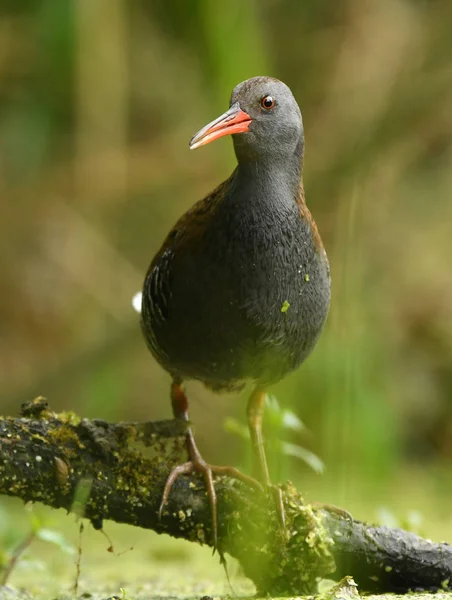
(266, 181)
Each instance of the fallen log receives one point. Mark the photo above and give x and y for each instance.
(116, 471)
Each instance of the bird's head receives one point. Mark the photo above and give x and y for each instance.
(264, 118)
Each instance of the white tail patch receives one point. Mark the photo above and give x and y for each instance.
(136, 302)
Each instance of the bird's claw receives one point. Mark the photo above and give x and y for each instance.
(184, 469)
(199, 465)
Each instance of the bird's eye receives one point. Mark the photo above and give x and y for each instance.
(267, 102)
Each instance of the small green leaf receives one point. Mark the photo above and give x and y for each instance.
(285, 306)
(291, 421)
(81, 496)
(57, 538)
(36, 521)
(271, 402)
(311, 459)
(306, 277)
(233, 426)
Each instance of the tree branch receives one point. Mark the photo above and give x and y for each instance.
(117, 471)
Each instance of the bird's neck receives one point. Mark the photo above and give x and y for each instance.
(270, 178)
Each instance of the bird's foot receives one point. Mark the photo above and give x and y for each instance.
(199, 465)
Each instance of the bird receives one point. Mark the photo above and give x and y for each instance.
(240, 289)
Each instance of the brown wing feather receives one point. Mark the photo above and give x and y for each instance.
(192, 223)
(157, 285)
(306, 215)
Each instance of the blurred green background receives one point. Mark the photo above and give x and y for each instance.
(98, 100)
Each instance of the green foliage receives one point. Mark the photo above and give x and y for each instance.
(412, 520)
(16, 542)
(279, 423)
(56, 538)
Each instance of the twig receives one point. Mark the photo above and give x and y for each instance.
(78, 563)
(20, 549)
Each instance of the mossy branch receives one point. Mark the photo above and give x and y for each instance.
(117, 471)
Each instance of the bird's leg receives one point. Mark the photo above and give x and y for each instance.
(196, 462)
(255, 414)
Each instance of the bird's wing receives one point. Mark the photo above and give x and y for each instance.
(192, 224)
(184, 237)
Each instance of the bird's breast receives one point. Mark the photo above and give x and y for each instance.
(247, 300)
(273, 266)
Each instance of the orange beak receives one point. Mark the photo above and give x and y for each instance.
(234, 120)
